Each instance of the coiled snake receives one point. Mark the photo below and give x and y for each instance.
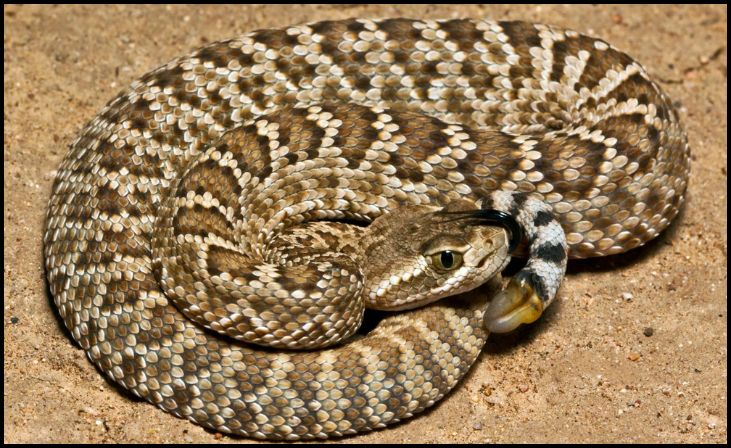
(220, 191)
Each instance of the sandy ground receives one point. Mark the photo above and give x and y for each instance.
(588, 372)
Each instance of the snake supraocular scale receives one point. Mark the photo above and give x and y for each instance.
(199, 185)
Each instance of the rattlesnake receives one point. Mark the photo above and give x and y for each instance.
(213, 182)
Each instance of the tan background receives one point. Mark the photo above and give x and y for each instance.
(585, 373)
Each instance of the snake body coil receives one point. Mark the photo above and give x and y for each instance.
(219, 160)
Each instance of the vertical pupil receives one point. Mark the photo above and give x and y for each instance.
(447, 259)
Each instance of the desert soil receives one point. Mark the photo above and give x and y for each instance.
(635, 350)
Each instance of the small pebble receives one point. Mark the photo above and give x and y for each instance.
(496, 398)
(634, 356)
(523, 387)
(102, 425)
(89, 410)
(648, 331)
(477, 426)
(712, 422)
(14, 320)
(627, 296)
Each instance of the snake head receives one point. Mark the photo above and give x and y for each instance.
(418, 254)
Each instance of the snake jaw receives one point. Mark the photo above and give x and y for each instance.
(517, 304)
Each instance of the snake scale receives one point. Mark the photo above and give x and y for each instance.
(228, 189)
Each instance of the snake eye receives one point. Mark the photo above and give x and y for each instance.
(447, 260)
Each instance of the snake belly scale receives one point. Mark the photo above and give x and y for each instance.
(220, 161)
